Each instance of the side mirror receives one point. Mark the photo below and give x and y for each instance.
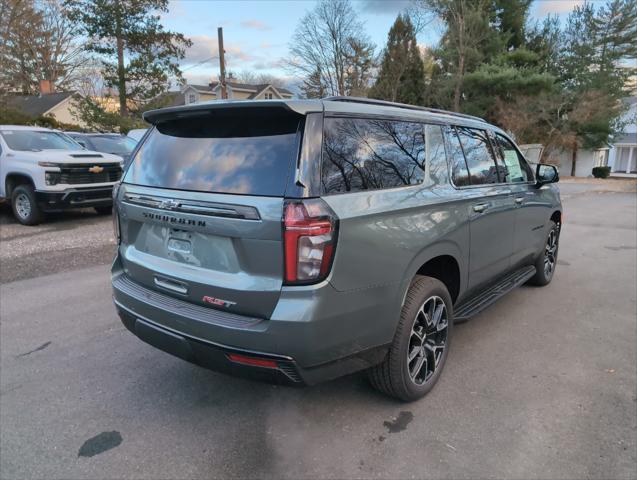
(545, 173)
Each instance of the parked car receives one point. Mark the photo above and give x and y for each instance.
(303, 240)
(137, 134)
(113, 143)
(43, 170)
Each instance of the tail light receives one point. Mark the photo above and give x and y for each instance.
(310, 230)
(116, 229)
(253, 361)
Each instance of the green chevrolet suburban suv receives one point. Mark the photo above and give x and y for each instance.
(303, 240)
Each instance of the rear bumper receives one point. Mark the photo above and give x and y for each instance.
(313, 335)
(210, 355)
(75, 198)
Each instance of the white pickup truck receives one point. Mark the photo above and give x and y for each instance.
(43, 170)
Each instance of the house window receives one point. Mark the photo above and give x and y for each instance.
(192, 98)
(267, 96)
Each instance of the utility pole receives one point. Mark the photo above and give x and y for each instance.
(222, 65)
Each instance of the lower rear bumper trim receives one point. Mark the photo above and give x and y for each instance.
(208, 354)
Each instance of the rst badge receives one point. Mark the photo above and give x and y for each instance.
(218, 301)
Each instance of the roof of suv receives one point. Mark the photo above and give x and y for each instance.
(351, 105)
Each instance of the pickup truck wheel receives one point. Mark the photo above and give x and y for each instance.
(104, 210)
(421, 344)
(24, 205)
(546, 262)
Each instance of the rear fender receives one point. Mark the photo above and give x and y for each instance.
(430, 252)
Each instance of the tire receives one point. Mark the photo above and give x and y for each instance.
(395, 375)
(24, 205)
(546, 262)
(104, 210)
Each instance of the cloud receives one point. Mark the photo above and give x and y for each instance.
(193, 78)
(256, 25)
(269, 64)
(383, 7)
(206, 46)
(546, 7)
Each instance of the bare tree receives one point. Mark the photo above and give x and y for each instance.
(256, 78)
(38, 43)
(58, 55)
(17, 19)
(323, 45)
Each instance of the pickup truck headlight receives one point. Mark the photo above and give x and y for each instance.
(52, 178)
(49, 164)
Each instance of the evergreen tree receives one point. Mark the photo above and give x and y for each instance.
(482, 58)
(360, 58)
(402, 72)
(470, 39)
(511, 20)
(312, 86)
(138, 55)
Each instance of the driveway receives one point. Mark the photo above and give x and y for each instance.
(541, 385)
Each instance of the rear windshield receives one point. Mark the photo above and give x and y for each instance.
(238, 151)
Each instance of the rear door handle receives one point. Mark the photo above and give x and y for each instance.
(480, 207)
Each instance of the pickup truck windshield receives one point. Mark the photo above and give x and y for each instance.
(33, 140)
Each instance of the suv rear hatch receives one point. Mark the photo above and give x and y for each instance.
(201, 204)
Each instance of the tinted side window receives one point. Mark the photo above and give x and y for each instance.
(460, 174)
(365, 154)
(477, 151)
(515, 168)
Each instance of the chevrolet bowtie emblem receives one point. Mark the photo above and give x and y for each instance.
(169, 204)
(96, 169)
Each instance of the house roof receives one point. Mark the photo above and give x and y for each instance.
(170, 99)
(36, 105)
(253, 88)
(199, 88)
(625, 139)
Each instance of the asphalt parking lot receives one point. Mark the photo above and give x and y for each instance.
(541, 385)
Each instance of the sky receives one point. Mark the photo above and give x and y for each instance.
(257, 32)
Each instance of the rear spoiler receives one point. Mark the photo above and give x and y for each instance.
(301, 107)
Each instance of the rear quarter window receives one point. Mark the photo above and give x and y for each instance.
(371, 154)
(222, 152)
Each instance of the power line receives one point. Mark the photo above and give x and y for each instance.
(200, 63)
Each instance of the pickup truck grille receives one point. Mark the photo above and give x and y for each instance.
(76, 174)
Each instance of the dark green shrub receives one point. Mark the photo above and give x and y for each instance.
(601, 172)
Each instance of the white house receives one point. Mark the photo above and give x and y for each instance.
(235, 90)
(57, 105)
(622, 157)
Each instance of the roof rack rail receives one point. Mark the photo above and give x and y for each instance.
(372, 101)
